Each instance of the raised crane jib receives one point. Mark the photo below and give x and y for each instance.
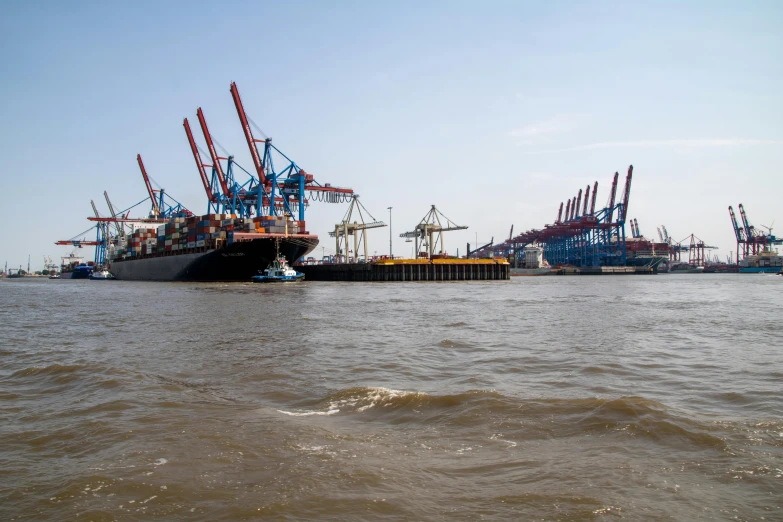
(627, 194)
(155, 208)
(251, 142)
(612, 196)
(199, 163)
(120, 231)
(213, 154)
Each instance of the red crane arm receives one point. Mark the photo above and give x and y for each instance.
(81, 243)
(251, 142)
(559, 213)
(592, 202)
(573, 208)
(568, 209)
(200, 164)
(578, 203)
(587, 196)
(149, 187)
(212, 153)
(627, 194)
(613, 195)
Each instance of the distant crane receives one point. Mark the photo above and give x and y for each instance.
(696, 251)
(351, 226)
(155, 207)
(119, 226)
(160, 207)
(751, 241)
(429, 233)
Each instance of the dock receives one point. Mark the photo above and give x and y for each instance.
(605, 270)
(410, 270)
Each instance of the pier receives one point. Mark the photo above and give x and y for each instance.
(410, 270)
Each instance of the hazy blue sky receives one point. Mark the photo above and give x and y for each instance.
(494, 111)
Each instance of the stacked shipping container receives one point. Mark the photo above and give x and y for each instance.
(276, 225)
(207, 231)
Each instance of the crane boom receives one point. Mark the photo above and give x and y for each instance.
(737, 230)
(560, 213)
(592, 202)
(155, 207)
(578, 203)
(587, 196)
(612, 196)
(627, 196)
(213, 154)
(104, 226)
(199, 163)
(745, 223)
(120, 231)
(251, 142)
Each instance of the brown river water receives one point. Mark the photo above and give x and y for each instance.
(550, 398)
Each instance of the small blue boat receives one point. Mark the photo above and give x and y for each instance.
(279, 272)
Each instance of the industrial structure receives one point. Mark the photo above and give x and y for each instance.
(428, 234)
(354, 224)
(750, 241)
(265, 206)
(581, 236)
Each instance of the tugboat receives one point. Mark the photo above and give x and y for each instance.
(55, 275)
(101, 274)
(279, 272)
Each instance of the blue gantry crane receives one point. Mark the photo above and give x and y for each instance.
(584, 237)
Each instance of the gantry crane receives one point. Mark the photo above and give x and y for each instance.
(354, 224)
(120, 228)
(155, 208)
(160, 207)
(289, 183)
(749, 240)
(429, 233)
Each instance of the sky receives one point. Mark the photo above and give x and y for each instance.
(493, 111)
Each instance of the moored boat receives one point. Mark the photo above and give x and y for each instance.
(767, 261)
(101, 274)
(279, 272)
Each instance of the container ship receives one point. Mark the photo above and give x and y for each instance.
(767, 261)
(213, 247)
(642, 252)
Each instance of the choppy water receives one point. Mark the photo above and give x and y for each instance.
(559, 398)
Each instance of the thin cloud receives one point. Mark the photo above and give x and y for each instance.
(688, 143)
(550, 126)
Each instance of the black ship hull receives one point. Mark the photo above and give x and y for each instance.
(238, 261)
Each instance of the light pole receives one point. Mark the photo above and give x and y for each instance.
(391, 256)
